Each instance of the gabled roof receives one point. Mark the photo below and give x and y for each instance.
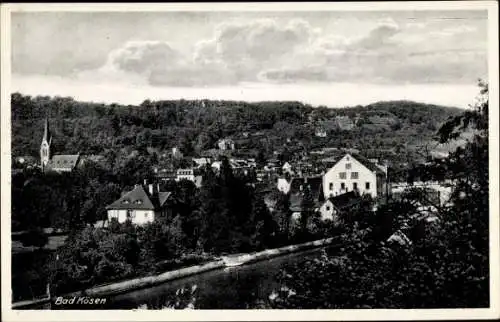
(364, 161)
(367, 163)
(138, 198)
(163, 197)
(314, 183)
(67, 161)
(345, 200)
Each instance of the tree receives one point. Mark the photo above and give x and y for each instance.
(35, 237)
(283, 213)
(307, 206)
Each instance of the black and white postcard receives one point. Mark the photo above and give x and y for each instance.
(232, 161)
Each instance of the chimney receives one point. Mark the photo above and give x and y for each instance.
(158, 187)
(151, 189)
(145, 182)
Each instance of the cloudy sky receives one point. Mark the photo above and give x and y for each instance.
(321, 58)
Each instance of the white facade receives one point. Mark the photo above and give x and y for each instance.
(189, 174)
(226, 144)
(284, 185)
(138, 217)
(287, 167)
(347, 175)
(185, 174)
(176, 153)
(327, 211)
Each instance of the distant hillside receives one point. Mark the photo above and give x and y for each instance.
(196, 125)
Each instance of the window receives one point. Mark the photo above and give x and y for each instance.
(367, 186)
(348, 166)
(327, 208)
(354, 175)
(342, 186)
(145, 215)
(331, 185)
(342, 175)
(130, 214)
(354, 185)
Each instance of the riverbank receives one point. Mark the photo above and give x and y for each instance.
(148, 281)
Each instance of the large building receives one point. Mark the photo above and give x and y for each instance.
(354, 174)
(189, 174)
(142, 205)
(53, 162)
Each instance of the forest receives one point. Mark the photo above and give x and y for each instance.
(194, 126)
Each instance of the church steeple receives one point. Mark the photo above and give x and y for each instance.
(46, 132)
(45, 146)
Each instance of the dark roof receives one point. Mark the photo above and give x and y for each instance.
(163, 197)
(296, 195)
(345, 200)
(314, 183)
(67, 161)
(296, 202)
(139, 198)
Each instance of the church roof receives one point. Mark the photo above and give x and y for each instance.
(63, 161)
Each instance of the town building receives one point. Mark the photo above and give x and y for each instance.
(142, 205)
(334, 206)
(287, 168)
(320, 132)
(176, 153)
(226, 144)
(190, 175)
(55, 162)
(201, 162)
(165, 174)
(352, 174)
(344, 123)
(298, 187)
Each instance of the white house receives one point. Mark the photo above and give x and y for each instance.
(334, 206)
(176, 153)
(350, 174)
(201, 162)
(226, 144)
(141, 205)
(284, 184)
(287, 168)
(190, 175)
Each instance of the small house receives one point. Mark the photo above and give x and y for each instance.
(141, 205)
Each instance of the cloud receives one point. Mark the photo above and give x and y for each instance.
(292, 75)
(268, 50)
(248, 48)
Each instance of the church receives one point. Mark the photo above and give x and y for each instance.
(55, 162)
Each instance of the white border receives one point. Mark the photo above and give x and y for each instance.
(232, 315)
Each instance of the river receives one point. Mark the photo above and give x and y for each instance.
(240, 287)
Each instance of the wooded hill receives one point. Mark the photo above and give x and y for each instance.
(196, 125)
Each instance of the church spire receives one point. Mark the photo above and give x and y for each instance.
(46, 132)
(45, 146)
